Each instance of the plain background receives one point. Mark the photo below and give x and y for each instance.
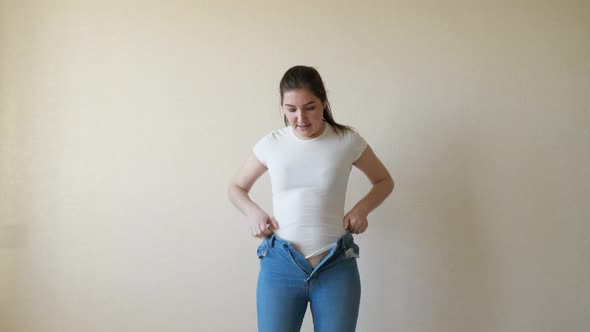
(122, 122)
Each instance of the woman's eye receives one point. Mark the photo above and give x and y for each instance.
(309, 109)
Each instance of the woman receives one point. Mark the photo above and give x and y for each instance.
(308, 253)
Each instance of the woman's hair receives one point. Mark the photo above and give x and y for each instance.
(303, 77)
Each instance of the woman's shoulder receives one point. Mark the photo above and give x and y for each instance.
(347, 132)
(353, 141)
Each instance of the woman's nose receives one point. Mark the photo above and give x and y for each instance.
(301, 116)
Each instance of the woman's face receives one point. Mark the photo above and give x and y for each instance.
(304, 111)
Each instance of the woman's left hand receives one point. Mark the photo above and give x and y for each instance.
(356, 221)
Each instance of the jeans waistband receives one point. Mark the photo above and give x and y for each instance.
(345, 242)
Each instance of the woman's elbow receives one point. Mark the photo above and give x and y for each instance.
(387, 184)
(391, 184)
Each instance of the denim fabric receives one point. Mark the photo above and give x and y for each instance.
(287, 282)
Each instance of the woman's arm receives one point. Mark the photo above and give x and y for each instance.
(238, 191)
(373, 168)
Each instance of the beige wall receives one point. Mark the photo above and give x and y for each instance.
(121, 124)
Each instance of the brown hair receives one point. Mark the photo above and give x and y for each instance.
(303, 77)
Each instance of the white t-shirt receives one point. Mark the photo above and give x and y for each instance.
(309, 180)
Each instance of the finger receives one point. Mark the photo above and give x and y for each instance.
(354, 227)
(359, 228)
(261, 234)
(268, 230)
(365, 226)
(260, 229)
(274, 223)
(346, 223)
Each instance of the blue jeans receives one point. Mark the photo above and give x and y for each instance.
(287, 282)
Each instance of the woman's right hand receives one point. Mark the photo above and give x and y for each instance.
(262, 225)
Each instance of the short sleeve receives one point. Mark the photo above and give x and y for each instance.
(261, 149)
(358, 145)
